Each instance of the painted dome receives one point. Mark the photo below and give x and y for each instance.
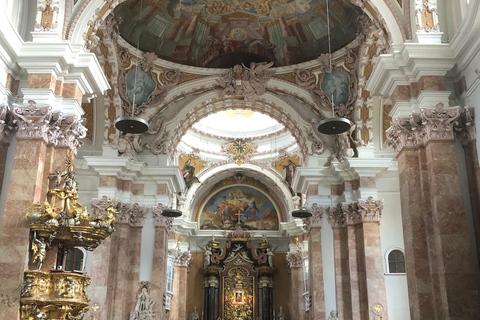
(223, 33)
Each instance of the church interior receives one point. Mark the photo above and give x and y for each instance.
(239, 159)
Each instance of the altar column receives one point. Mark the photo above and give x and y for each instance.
(211, 285)
(160, 258)
(313, 227)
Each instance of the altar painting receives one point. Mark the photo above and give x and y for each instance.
(242, 205)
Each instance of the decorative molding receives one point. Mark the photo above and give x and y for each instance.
(427, 16)
(239, 150)
(465, 128)
(248, 83)
(133, 214)
(47, 15)
(99, 206)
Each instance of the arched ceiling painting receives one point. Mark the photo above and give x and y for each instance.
(221, 34)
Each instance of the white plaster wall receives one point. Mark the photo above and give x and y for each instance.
(391, 236)
(328, 265)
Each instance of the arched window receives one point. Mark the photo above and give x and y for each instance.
(396, 262)
(74, 260)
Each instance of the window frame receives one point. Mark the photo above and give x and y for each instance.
(387, 265)
(83, 264)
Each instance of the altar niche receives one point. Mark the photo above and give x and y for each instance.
(238, 279)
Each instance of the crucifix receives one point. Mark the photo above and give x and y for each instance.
(239, 214)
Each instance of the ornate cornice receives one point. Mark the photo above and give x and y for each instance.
(34, 122)
(294, 259)
(438, 124)
(133, 214)
(159, 220)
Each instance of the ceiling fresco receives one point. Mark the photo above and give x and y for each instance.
(221, 34)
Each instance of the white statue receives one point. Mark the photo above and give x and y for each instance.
(194, 315)
(207, 255)
(333, 315)
(144, 307)
(281, 315)
(270, 259)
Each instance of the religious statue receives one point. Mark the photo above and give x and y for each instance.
(27, 287)
(39, 247)
(194, 315)
(270, 256)
(333, 315)
(207, 255)
(281, 315)
(144, 307)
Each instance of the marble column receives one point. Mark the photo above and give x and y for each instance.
(313, 226)
(129, 220)
(343, 293)
(37, 128)
(447, 265)
(370, 210)
(160, 258)
(297, 304)
(183, 262)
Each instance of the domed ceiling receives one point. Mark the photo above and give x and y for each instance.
(223, 33)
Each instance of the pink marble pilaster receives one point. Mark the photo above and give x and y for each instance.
(374, 274)
(452, 270)
(317, 294)
(342, 274)
(159, 270)
(353, 261)
(26, 183)
(179, 299)
(103, 277)
(120, 282)
(297, 302)
(133, 271)
(412, 176)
